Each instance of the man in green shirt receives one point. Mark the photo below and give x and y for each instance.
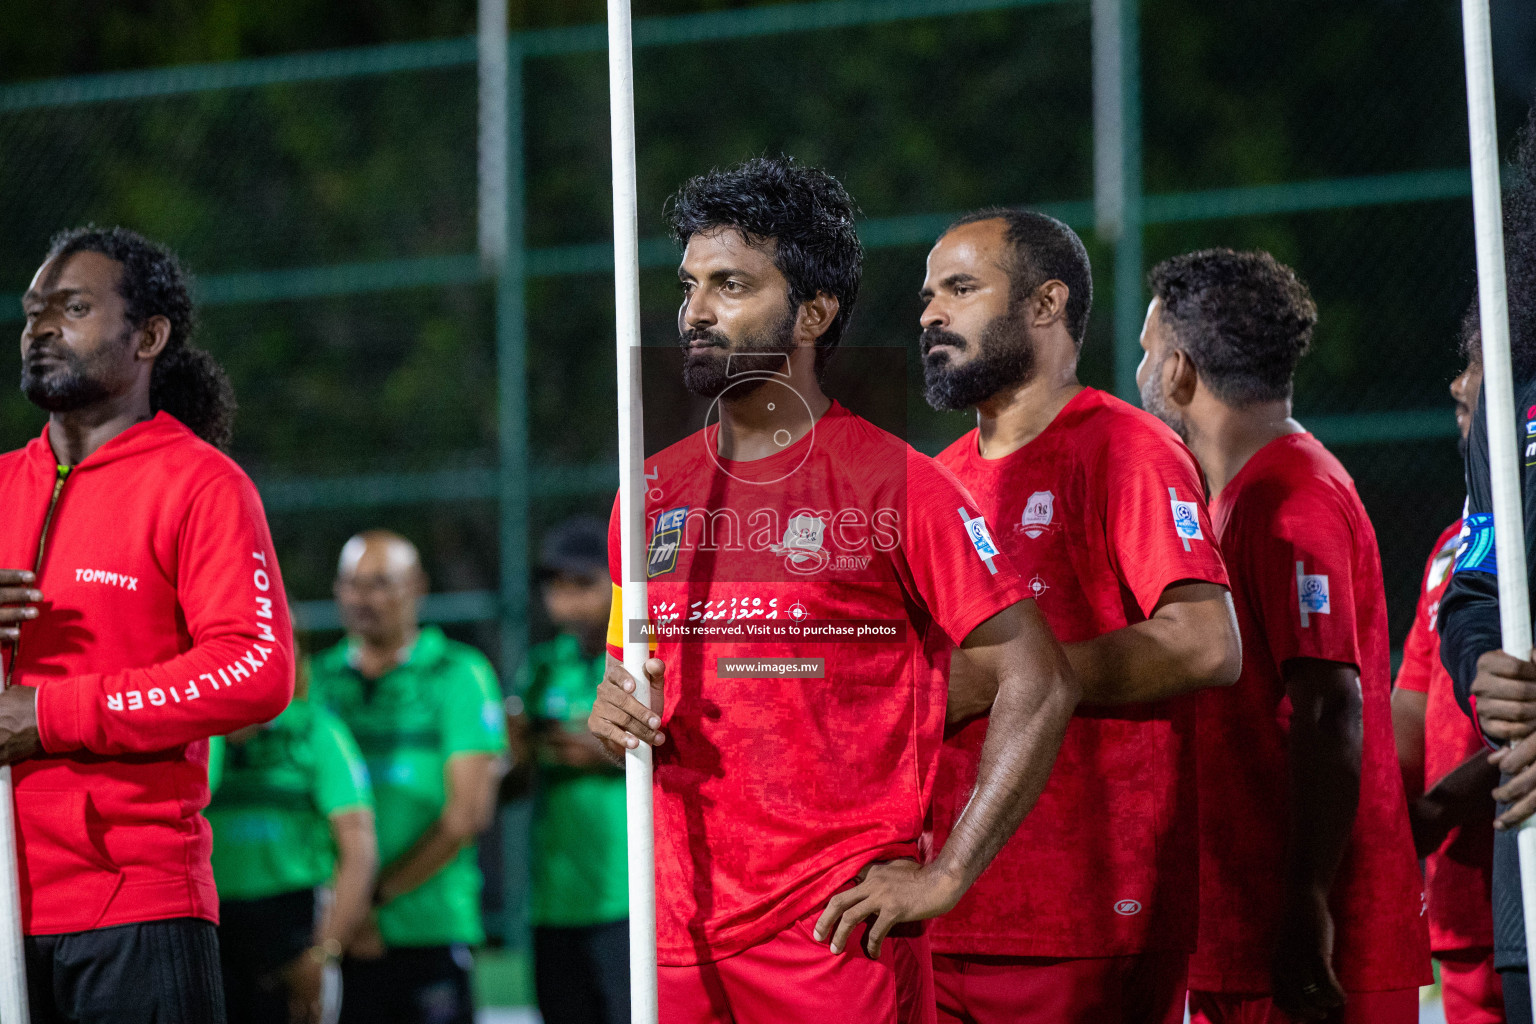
(427, 715)
(580, 899)
(291, 812)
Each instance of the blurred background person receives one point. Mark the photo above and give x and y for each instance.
(580, 884)
(1446, 774)
(294, 858)
(427, 715)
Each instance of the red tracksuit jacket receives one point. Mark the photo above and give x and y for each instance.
(163, 623)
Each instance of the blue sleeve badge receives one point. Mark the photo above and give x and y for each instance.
(1186, 519)
(1311, 594)
(1476, 552)
(981, 539)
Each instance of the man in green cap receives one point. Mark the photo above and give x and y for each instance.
(427, 715)
(580, 897)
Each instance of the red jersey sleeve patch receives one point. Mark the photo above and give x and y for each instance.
(949, 554)
(1307, 586)
(1157, 525)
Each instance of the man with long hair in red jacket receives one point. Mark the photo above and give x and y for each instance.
(141, 611)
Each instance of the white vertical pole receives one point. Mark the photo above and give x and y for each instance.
(1108, 122)
(1498, 391)
(491, 44)
(626, 268)
(1117, 171)
(13, 956)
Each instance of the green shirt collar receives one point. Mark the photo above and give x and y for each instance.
(430, 646)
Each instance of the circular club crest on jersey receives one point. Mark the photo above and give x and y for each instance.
(1127, 908)
(801, 546)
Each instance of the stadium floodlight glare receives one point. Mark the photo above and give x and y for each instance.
(1498, 390)
(13, 960)
(635, 606)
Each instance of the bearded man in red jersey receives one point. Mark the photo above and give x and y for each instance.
(1088, 914)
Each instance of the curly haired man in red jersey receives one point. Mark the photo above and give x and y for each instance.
(1311, 902)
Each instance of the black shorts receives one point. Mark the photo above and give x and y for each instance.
(156, 972)
(409, 985)
(581, 975)
(257, 939)
(265, 934)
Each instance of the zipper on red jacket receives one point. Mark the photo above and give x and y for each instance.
(53, 503)
(42, 547)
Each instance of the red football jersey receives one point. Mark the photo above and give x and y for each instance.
(1100, 514)
(1459, 875)
(1306, 579)
(775, 787)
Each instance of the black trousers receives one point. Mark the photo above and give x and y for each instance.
(409, 985)
(1517, 995)
(581, 975)
(157, 972)
(257, 939)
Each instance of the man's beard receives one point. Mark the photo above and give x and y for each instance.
(61, 388)
(705, 372)
(1152, 401)
(1005, 357)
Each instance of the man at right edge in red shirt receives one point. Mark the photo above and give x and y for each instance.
(1311, 902)
(1087, 916)
(141, 611)
(1446, 773)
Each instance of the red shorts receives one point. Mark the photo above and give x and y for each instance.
(1470, 987)
(793, 978)
(1400, 1006)
(1144, 989)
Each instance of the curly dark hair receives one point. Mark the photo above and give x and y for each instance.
(805, 210)
(186, 381)
(1470, 338)
(1041, 249)
(1244, 318)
